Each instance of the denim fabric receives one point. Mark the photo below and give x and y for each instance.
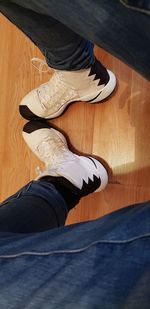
(62, 48)
(97, 264)
(36, 207)
(122, 31)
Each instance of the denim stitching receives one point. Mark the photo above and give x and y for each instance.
(114, 242)
(135, 8)
(17, 194)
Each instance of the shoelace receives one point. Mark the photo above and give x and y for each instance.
(52, 159)
(43, 92)
(58, 89)
(45, 149)
(40, 65)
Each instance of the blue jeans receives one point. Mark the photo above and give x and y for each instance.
(97, 264)
(64, 30)
(36, 207)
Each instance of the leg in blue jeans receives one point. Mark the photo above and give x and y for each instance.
(97, 264)
(36, 207)
(63, 48)
(117, 28)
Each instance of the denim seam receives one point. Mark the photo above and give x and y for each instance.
(135, 8)
(114, 242)
(16, 196)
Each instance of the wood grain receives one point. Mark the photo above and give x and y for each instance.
(117, 130)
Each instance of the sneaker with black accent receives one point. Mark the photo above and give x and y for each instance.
(86, 174)
(50, 99)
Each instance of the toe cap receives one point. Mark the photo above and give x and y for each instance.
(32, 126)
(26, 113)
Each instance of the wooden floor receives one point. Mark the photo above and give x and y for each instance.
(117, 130)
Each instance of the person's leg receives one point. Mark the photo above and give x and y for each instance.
(44, 204)
(36, 207)
(79, 76)
(62, 47)
(97, 264)
(109, 24)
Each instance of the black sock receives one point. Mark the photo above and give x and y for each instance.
(68, 191)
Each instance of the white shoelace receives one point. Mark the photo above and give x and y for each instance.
(55, 91)
(39, 64)
(53, 153)
(52, 91)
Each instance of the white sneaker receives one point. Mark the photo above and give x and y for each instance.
(50, 146)
(50, 99)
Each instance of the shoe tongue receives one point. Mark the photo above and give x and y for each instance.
(76, 79)
(72, 171)
(67, 169)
